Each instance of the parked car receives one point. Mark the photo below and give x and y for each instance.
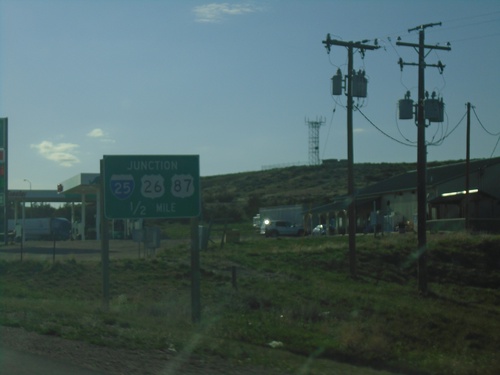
(319, 230)
(275, 228)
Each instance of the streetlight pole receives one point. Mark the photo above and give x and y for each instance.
(28, 181)
(31, 203)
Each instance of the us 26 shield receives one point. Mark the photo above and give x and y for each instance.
(152, 186)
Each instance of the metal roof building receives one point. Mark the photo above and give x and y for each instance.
(446, 198)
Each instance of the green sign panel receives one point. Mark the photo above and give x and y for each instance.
(151, 186)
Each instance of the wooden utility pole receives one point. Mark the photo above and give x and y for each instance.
(467, 172)
(422, 150)
(362, 47)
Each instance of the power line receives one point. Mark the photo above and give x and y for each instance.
(439, 142)
(471, 17)
(488, 132)
(328, 132)
(411, 143)
(401, 133)
(475, 37)
(388, 37)
(381, 131)
(480, 123)
(494, 148)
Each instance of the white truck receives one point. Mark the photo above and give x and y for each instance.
(47, 228)
(283, 220)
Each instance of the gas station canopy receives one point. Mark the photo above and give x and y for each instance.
(71, 190)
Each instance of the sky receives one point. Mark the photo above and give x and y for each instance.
(235, 82)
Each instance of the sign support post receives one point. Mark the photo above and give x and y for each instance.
(104, 247)
(4, 185)
(195, 272)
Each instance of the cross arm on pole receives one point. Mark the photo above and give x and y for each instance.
(439, 65)
(421, 27)
(328, 42)
(416, 45)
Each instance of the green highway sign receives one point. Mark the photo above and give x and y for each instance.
(151, 186)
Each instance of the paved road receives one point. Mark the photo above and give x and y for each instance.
(17, 363)
(78, 250)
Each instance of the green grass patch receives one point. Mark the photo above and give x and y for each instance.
(293, 291)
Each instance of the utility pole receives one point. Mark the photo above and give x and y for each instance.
(362, 47)
(422, 149)
(467, 172)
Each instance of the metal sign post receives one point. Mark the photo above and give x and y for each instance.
(4, 168)
(104, 248)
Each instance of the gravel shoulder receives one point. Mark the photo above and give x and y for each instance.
(112, 361)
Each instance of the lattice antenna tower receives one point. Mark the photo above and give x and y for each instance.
(314, 139)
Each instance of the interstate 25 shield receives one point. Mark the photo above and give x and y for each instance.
(122, 185)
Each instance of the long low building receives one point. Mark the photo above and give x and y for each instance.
(393, 202)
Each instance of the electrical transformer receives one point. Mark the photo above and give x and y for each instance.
(359, 84)
(434, 110)
(337, 83)
(405, 107)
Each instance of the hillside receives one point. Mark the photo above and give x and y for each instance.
(239, 195)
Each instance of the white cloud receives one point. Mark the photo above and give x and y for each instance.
(214, 12)
(61, 153)
(96, 133)
(100, 134)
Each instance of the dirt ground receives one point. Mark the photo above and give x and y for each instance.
(110, 361)
(120, 361)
